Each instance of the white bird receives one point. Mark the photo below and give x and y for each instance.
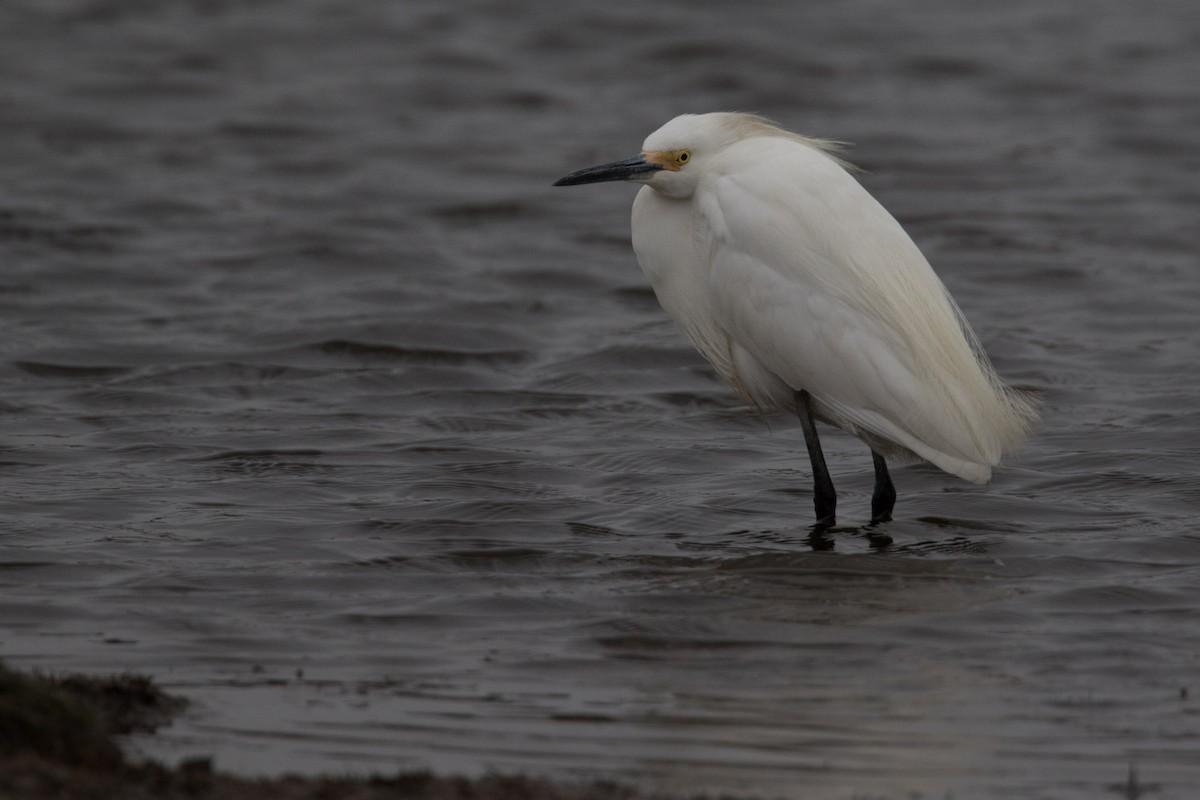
(806, 295)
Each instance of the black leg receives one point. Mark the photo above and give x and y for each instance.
(884, 498)
(824, 497)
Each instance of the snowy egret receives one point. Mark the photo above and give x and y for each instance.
(806, 295)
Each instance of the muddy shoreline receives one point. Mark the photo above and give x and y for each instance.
(59, 739)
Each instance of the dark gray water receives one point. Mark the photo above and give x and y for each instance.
(321, 407)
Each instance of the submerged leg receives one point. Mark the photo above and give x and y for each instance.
(884, 498)
(824, 497)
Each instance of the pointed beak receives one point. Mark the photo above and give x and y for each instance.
(629, 169)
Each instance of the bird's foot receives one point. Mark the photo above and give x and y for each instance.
(824, 521)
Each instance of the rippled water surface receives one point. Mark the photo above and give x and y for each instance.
(321, 407)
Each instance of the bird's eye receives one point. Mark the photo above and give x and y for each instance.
(683, 156)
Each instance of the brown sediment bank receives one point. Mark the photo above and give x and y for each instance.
(57, 741)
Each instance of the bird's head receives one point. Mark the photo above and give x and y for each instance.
(678, 155)
(672, 158)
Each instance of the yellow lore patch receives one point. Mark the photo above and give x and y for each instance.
(669, 159)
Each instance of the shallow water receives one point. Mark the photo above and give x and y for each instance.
(321, 407)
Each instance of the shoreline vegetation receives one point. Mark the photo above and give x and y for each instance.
(58, 740)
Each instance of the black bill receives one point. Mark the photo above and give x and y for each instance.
(628, 169)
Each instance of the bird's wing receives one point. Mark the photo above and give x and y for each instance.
(811, 276)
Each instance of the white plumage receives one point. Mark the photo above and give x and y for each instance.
(789, 277)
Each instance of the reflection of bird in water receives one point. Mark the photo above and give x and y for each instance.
(806, 295)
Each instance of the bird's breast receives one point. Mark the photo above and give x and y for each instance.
(669, 244)
(670, 250)
(664, 241)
